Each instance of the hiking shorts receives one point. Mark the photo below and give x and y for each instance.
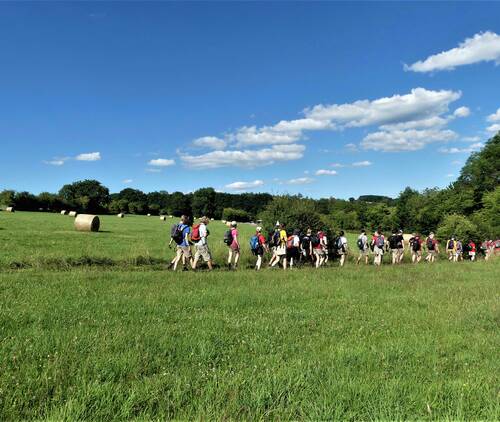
(378, 251)
(319, 252)
(281, 251)
(203, 252)
(184, 250)
(364, 252)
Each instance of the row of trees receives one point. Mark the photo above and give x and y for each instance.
(470, 205)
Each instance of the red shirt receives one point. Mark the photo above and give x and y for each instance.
(472, 247)
(262, 239)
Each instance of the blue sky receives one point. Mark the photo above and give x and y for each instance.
(323, 99)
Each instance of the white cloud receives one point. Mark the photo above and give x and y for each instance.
(482, 47)
(55, 162)
(405, 140)
(419, 104)
(365, 163)
(127, 181)
(351, 147)
(300, 181)
(471, 139)
(246, 158)
(245, 185)
(252, 135)
(455, 150)
(337, 165)
(493, 128)
(210, 142)
(153, 170)
(89, 156)
(434, 122)
(450, 175)
(326, 173)
(456, 162)
(495, 117)
(161, 162)
(462, 112)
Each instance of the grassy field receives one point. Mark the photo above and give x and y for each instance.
(131, 341)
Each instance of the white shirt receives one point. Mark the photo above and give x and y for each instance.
(343, 240)
(364, 240)
(296, 241)
(203, 235)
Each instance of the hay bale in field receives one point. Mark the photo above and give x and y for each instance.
(9, 209)
(121, 215)
(149, 215)
(63, 212)
(211, 219)
(223, 221)
(163, 217)
(87, 223)
(72, 214)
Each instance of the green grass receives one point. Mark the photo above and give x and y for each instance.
(411, 342)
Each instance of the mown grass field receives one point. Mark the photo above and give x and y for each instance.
(127, 341)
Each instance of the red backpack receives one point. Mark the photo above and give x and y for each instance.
(289, 242)
(195, 234)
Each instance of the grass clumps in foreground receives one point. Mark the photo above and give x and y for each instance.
(355, 343)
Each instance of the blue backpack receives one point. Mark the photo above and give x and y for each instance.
(254, 243)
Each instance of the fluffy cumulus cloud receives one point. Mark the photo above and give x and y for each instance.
(161, 162)
(494, 128)
(211, 142)
(419, 104)
(495, 117)
(405, 140)
(300, 181)
(89, 156)
(242, 186)
(127, 181)
(468, 149)
(462, 112)
(326, 172)
(245, 158)
(406, 122)
(482, 47)
(471, 139)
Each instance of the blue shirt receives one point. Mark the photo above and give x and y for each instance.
(185, 231)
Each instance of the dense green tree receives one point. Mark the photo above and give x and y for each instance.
(459, 226)
(233, 214)
(203, 202)
(86, 195)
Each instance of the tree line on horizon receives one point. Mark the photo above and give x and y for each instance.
(468, 207)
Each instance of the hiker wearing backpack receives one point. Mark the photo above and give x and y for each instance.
(231, 240)
(324, 241)
(181, 238)
(258, 246)
(395, 246)
(292, 248)
(342, 247)
(281, 248)
(378, 242)
(432, 248)
(459, 250)
(472, 250)
(416, 248)
(451, 249)
(363, 247)
(401, 246)
(306, 251)
(199, 236)
(274, 242)
(319, 248)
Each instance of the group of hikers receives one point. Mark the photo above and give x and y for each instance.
(289, 248)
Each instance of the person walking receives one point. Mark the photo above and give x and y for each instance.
(199, 236)
(181, 238)
(378, 244)
(472, 250)
(234, 247)
(318, 249)
(258, 246)
(293, 248)
(401, 246)
(459, 251)
(432, 248)
(451, 249)
(416, 248)
(306, 251)
(363, 247)
(342, 247)
(394, 247)
(281, 248)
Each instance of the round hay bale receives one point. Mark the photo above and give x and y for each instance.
(72, 214)
(87, 223)
(223, 221)
(163, 218)
(121, 215)
(63, 212)
(211, 219)
(149, 215)
(9, 209)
